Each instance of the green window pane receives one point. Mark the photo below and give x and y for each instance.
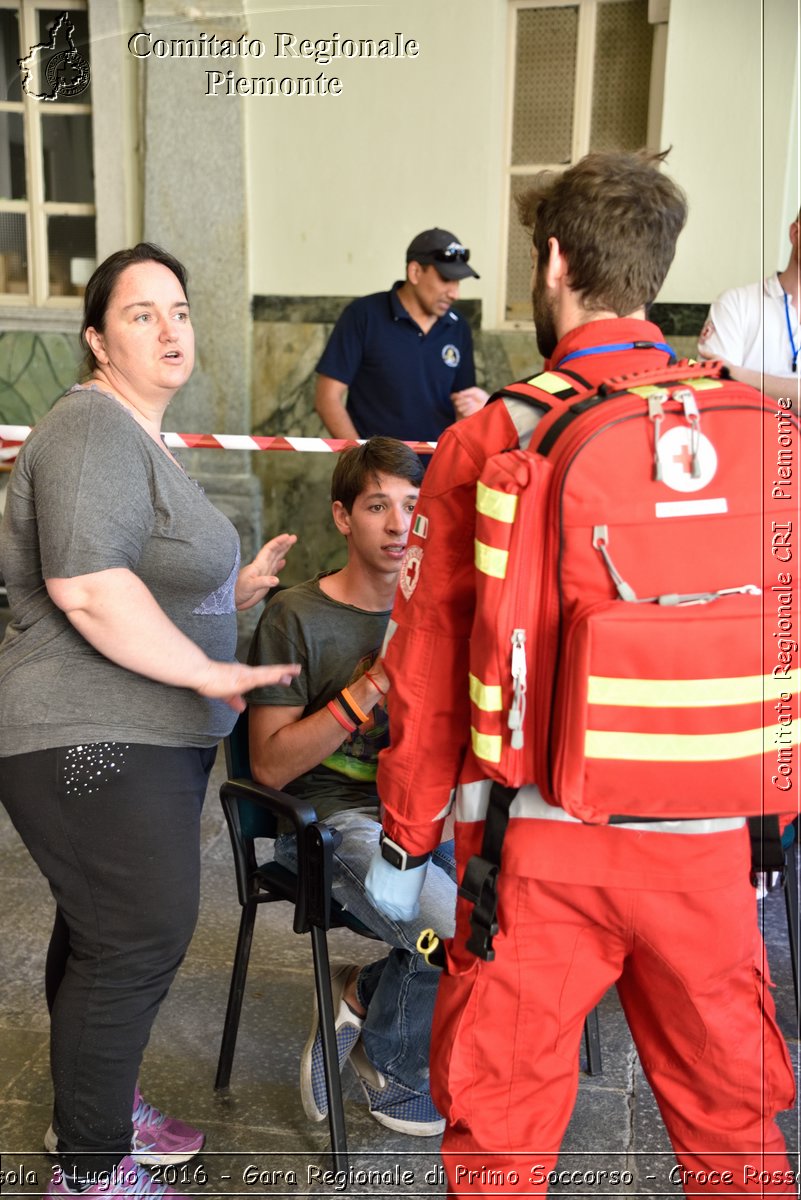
(12, 157)
(67, 158)
(10, 88)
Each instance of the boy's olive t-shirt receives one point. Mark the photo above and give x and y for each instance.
(334, 643)
(90, 490)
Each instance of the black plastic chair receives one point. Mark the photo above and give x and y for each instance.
(252, 811)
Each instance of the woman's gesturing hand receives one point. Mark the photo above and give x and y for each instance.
(229, 681)
(257, 577)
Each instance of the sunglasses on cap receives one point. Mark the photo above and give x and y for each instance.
(451, 254)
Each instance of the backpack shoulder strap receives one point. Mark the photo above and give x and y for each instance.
(548, 393)
(545, 390)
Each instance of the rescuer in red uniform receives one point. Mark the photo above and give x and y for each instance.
(665, 912)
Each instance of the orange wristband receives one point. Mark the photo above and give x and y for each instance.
(346, 696)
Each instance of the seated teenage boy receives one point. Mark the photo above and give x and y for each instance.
(323, 745)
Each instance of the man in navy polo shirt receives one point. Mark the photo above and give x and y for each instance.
(403, 358)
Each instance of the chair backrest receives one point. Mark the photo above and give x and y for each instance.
(237, 749)
(253, 821)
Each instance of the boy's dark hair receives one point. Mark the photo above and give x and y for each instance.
(616, 218)
(378, 456)
(104, 279)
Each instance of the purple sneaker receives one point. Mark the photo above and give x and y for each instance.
(127, 1179)
(157, 1138)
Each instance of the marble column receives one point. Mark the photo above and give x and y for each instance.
(195, 205)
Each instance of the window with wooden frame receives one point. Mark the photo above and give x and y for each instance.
(47, 193)
(584, 75)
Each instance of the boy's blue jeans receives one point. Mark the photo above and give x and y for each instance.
(398, 991)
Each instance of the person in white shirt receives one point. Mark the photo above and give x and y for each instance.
(755, 329)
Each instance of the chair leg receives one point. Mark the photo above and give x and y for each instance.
(236, 994)
(333, 1081)
(791, 902)
(592, 1043)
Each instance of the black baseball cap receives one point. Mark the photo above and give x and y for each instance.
(442, 250)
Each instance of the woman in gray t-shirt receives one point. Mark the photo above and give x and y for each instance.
(117, 680)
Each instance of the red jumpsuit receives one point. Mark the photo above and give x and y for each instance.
(667, 913)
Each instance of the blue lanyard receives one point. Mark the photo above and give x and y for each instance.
(793, 346)
(616, 346)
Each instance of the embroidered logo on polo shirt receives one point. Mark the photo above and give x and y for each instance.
(450, 355)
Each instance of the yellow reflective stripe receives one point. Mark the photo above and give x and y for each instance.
(548, 382)
(486, 746)
(501, 506)
(700, 385)
(486, 696)
(689, 693)
(491, 561)
(647, 389)
(687, 747)
(704, 385)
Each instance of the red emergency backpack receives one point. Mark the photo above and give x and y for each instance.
(635, 645)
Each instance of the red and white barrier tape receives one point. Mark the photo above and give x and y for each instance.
(12, 437)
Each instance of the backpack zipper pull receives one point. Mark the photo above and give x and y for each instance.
(600, 541)
(655, 402)
(517, 710)
(686, 397)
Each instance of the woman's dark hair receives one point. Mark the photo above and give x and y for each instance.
(104, 280)
(355, 468)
